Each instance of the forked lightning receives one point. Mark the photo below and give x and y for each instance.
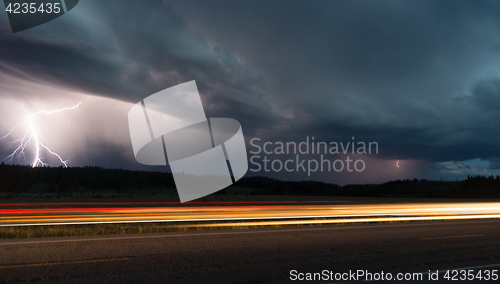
(31, 135)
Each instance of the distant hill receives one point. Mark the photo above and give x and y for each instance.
(18, 179)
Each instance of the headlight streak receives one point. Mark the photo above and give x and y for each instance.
(274, 214)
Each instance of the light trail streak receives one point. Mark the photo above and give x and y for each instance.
(30, 135)
(270, 223)
(62, 262)
(343, 221)
(296, 214)
(397, 164)
(176, 203)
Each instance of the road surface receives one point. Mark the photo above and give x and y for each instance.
(255, 255)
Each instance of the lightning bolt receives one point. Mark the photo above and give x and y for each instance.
(31, 135)
(397, 164)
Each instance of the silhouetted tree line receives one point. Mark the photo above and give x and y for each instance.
(472, 187)
(270, 186)
(16, 178)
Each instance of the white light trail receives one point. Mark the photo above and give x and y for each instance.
(397, 164)
(31, 135)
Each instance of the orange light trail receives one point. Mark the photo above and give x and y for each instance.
(258, 214)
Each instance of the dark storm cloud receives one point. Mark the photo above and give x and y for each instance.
(408, 74)
(418, 77)
(137, 50)
(487, 95)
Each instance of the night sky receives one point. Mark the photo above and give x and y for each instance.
(421, 78)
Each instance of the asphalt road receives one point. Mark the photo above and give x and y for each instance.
(256, 255)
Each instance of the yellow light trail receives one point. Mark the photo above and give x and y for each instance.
(62, 262)
(341, 221)
(262, 214)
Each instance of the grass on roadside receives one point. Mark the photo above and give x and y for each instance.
(108, 229)
(80, 230)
